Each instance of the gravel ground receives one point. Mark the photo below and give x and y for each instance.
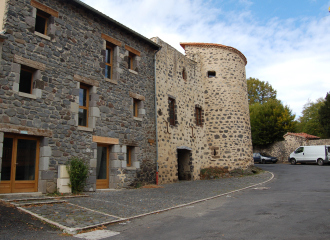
(109, 206)
(132, 202)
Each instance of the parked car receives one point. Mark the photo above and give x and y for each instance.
(264, 158)
(310, 154)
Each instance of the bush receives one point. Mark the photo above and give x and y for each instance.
(78, 172)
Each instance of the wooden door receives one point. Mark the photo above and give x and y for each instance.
(102, 167)
(20, 161)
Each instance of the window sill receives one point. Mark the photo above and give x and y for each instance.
(42, 36)
(132, 71)
(86, 129)
(137, 119)
(27, 95)
(130, 168)
(111, 81)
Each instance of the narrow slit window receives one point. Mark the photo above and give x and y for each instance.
(130, 61)
(171, 103)
(129, 156)
(211, 74)
(108, 61)
(198, 116)
(26, 80)
(83, 105)
(135, 107)
(41, 22)
(214, 152)
(184, 74)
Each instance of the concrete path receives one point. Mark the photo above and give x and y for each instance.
(100, 208)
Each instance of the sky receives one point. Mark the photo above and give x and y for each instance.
(286, 43)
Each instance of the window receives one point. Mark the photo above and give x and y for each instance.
(198, 116)
(83, 105)
(135, 107)
(171, 103)
(108, 60)
(129, 156)
(184, 74)
(299, 150)
(41, 22)
(26, 80)
(211, 74)
(130, 60)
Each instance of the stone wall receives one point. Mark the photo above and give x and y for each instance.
(283, 149)
(72, 53)
(224, 138)
(227, 120)
(187, 93)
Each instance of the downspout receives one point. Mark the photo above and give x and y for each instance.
(156, 117)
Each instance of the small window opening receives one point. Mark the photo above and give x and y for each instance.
(41, 22)
(26, 79)
(108, 60)
(211, 74)
(171, 103)
(198, 116)
(214, 152)
(184, 74)
(129, 156)
(83, 105)
(135, 107)
(130, 61)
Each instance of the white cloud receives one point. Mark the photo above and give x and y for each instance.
(293, 55)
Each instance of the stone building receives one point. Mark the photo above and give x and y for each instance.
(202, 110)
(74, 83)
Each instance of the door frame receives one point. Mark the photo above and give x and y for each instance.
(18, 186)
(103, 183)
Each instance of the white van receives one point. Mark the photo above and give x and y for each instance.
(310, 154)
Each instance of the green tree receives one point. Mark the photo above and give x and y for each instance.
(309, 122)
(259, 91)
(324, 115)
(270, 121)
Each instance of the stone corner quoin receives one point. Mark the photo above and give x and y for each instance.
(90, 94)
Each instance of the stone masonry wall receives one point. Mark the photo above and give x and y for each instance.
(188, 93)
(73, 53)
(283, 149)
(227, 121)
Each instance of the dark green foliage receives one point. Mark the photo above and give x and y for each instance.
(309, 122)
(78, 172)
(259, 91)
(324, 115)
(270, 121)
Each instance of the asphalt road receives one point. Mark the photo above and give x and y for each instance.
(292, 206)
(295, 205)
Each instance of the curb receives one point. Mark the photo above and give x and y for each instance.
(76, 230)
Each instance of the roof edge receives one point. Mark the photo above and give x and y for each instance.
(184, 44)
(116, 23)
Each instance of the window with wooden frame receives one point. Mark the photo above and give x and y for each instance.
(130, 60)
(171, 105)
(129, 156)
(136, 107)
(26, 80)
(109, 60)
(83, 105)
(41, 22)
(198, 116)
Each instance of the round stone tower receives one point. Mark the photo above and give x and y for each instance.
(227, 120)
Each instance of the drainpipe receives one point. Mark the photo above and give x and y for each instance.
(156, 117)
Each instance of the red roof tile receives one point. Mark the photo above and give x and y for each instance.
(183, 45)
(304, 135)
